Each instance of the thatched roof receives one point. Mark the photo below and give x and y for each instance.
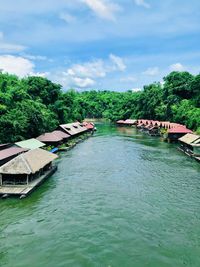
(29, 162)
(190, 139)
(30, 143)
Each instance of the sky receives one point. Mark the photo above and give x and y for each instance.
(100, 44)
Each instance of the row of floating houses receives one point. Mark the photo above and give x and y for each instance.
(26, 164)
(189, 142)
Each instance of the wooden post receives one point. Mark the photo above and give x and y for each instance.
(1, 180)
(27, 180)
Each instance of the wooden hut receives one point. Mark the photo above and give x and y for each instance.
(175, 133)
(54, 138)
(190, 144)
(130, 122)
(23, 173)
(73, 129)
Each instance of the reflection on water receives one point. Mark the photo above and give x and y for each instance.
(120, 198)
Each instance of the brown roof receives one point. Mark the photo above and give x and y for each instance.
(29, 162)
(55, 136)
(11, 151)
(73, 128)
(190, 139)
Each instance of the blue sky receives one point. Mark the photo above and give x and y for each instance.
(100, 44)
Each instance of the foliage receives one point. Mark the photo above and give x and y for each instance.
(33, 105)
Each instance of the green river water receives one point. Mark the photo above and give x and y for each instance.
(118, 199)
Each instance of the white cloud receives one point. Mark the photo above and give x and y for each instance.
(6, 47)
(82, 75)
(67, 17)
(102, 8)
(83, 82)
(177, 67)
(19, 66)
(136, 90)
(118, 62)
(142, 3)
(89, 73)
(69, 80)
(152, 71)
(16, 65)
(92, 69)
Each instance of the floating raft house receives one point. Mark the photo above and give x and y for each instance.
(177, 132)
(190, 144)
(73, 129)
(54, 138)
(23, 174)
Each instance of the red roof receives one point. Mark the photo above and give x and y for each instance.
(179, 129)
(11, 151)
(155, 123)
(120, 121)
(88, 125)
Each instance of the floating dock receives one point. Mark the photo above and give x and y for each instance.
(24, 190)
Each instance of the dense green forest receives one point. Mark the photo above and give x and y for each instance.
(33, 105)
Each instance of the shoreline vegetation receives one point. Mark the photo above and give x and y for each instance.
(32, 106)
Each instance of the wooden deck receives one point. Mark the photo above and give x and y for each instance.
(23, 190)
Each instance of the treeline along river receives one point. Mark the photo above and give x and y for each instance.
(118, 199)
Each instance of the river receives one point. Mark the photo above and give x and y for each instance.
(118, 199)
